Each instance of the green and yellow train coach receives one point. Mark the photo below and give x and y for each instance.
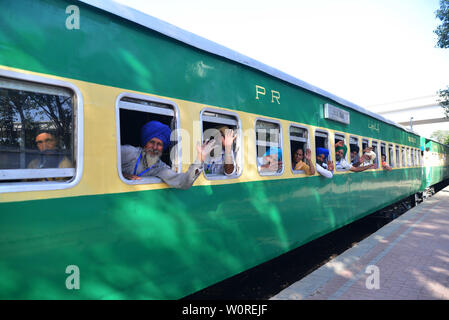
(94, 72)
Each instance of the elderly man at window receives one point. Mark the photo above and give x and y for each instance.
(144, 161)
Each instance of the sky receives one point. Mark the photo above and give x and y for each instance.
(367, 52)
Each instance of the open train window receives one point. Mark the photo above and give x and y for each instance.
(364, 144)
(383, 151)
(214, 125)
(340, 137)
(299, 142)
(409, 162)
(269, 147)
(391, 155)
(398, 157)
(375, 146)
(322, 141)
(404, 162)
(40, 133)
(354, 149)
(133, 112)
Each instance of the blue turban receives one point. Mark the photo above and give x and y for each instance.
(322, 151)
(274, 150)
(155, 129)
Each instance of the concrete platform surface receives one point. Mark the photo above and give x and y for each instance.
(407, 259)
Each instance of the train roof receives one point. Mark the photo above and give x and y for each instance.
(201, 43)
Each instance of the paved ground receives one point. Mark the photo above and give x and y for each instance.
(408, 259)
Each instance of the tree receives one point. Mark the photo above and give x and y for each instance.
(442, 31)
(442, 136)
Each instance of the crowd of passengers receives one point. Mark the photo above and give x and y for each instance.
(145, 160)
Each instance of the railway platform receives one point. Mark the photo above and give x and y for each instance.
(407, 259)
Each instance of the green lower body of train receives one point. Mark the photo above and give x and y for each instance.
(168, 243)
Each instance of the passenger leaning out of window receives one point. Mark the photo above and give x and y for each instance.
(325, 169)
(300, 164)
(144, 161)
(385, 166)
(223, 162)
(340, 157)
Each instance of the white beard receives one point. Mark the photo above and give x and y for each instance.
(151, 160)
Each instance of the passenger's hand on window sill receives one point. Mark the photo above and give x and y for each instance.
(132, 177)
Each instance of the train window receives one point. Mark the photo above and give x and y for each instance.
(269, 147)
(322, 141)
(408, 157)
(375, 146)
(214, 125)
(398, 157)
(383, 152)
(40, 146)
(404, 163)
(354, 149)
(391, 155)
(299, 142)
(364, 144)
(133, 112)
(413, 157)
(340, 137)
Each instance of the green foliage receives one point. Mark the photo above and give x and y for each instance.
(442, 136)
(444, 100)
(442, 30)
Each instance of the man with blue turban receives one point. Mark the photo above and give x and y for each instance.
(144, 161)
(325, 169)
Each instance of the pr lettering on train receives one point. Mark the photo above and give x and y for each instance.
(261, 91)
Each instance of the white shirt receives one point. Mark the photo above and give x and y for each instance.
(323, 171)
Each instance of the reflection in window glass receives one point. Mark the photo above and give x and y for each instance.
(36, 131)
(269, 148)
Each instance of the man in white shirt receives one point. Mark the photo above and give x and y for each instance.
(341, 163)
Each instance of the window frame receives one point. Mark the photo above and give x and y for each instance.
(408, 156)
(331, 154)
(403, 157)
(176, 114)
(358, 139)
(281, 142)
(348, 150)
(377, 152)
(398, 156)
(391, 155)
(78, 145)
(384, 145)
(307, 142)
(238, 143)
